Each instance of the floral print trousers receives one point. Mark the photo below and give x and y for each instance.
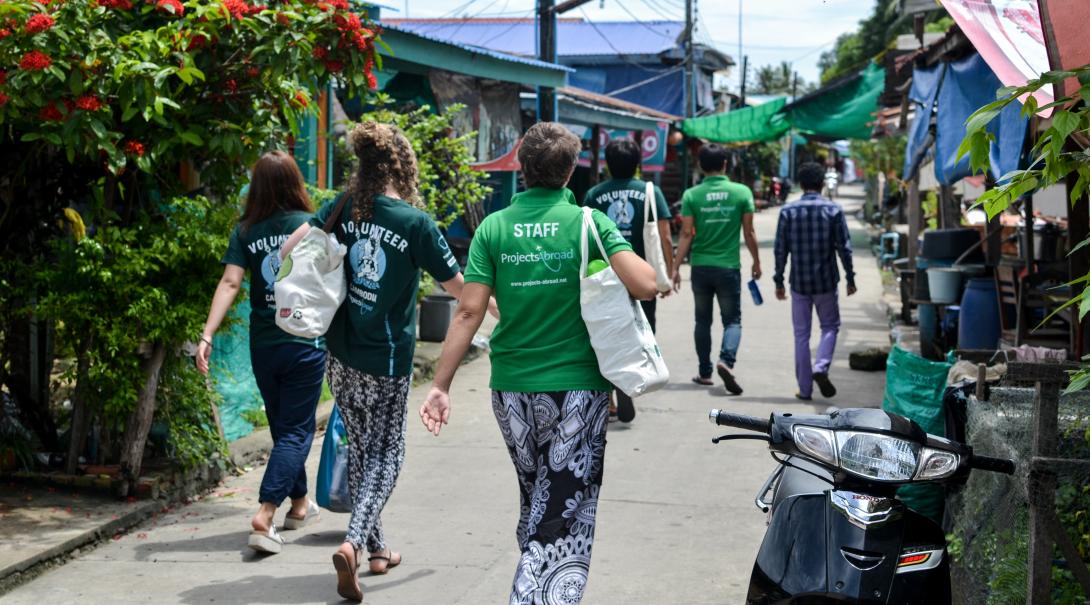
(374, 412)
(557, 442)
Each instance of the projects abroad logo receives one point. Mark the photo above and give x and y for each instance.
(553, 261)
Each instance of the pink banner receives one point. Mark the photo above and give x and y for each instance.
(1009, 35)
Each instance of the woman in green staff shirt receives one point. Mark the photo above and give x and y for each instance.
(548, 395)
(373, 336)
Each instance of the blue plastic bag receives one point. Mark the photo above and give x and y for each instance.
(332, 489)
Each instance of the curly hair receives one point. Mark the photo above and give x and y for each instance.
(548, 154)
(385, 158)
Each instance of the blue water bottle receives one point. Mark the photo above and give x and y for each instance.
(756, 293)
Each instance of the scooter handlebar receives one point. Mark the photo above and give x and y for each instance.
(740, 421)
(995, 465)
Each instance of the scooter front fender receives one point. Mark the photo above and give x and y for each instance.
(814, 551)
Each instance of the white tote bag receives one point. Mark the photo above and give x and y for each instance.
(310, 286)
(628, 355)
(652, 241)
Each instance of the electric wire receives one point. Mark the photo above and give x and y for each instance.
(641, 22)
(622, 56)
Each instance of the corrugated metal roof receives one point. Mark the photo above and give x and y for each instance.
(575, 37)
(398, 27)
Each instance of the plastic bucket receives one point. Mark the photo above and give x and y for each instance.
(436, 312)
(944, 284)
(978, 326)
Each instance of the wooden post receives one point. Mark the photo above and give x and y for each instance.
(912, 204)
(595, 152)
(949, 211)
(1031, 258)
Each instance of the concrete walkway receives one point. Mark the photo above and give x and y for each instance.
(676, 519)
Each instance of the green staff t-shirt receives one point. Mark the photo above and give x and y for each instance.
(717, 206)
(529, 254)
(622, 201)
(258, 249)
(374, 331)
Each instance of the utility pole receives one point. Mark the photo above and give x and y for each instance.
(791, 132)
(547, 109)
(745, 68)
(690, 80)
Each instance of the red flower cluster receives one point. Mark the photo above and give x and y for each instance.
(3, 77)
(4, 32)
(253, 72)
(134, 148)
(231, 86)
(115, 4)
(89, 103)
(347, 22)
(174, 7)
(369, 72)
(239, 9)
(319, 52)
(283, 19)
(35, 60)
(300, 99)
(50, 113)
(4, 99)
(333, 66)
(37, 24)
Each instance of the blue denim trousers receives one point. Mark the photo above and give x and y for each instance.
(289, 377)
(724, 285)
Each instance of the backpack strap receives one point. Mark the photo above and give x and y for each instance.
(335, 216)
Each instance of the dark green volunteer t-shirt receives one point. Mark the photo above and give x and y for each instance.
(529, 254)
(374, 331)
(717, 206)
(622, 200)
(258, 249)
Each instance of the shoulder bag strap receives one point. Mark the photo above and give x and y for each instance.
(588, 224)
(650, 200)
(335, 216)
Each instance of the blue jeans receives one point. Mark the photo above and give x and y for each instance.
(725, 285)
(289, 377)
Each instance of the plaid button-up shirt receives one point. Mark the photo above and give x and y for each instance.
(813, 231)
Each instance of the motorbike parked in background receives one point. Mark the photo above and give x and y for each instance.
(837, 533)
(832, 183)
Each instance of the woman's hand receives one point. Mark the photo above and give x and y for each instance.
(204, 351)
(436, 410)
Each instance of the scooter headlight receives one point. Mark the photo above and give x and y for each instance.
(877, 456)
(816, 442)
(937, 464)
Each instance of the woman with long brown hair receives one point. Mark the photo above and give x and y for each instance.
(373, 335)
(288, 369)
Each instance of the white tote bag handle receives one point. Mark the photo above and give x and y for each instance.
(588, 223)
(650, 204)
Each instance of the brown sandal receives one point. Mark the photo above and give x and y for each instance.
(388, 558)
(348, 582)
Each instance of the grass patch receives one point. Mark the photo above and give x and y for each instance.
(256, 417)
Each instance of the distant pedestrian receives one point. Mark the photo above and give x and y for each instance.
(714, 214)
(813, 232)
(548, 395)
(288, 369)
(373, 335)
(622, 199)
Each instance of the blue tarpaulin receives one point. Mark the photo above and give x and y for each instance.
(925, 87)
(959, 88)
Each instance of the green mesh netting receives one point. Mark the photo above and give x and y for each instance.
(989, 538)
(231, 372)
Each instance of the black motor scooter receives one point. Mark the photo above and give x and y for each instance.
(836, 531)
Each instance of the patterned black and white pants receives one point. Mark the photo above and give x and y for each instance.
(557, 442)
(373, 409)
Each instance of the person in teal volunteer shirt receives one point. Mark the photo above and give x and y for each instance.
(373, 335)
(713, 215)
(288, 369)
(547, 393)
(621, 198)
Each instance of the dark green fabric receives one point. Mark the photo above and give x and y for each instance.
(747, 125)
(622, 200)
(257, 249)
(914, 389)
(845, 111)
(374, 331)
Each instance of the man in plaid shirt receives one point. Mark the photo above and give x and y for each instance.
(813, 231)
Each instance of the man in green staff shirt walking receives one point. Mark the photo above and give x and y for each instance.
(713, 214)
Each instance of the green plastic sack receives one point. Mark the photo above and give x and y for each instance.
(914, 389)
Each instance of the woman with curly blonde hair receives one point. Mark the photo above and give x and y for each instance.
(373, 336)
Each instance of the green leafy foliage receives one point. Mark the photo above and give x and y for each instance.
(153, 83)
(880, 156)
(187, 406)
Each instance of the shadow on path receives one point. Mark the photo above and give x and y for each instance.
(289, 590)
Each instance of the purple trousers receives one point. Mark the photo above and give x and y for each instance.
(802, 313)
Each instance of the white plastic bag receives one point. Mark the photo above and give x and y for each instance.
(628, 355)
(652, 241)
(310, 286)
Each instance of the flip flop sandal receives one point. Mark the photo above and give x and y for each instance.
(268, 542)
(390, 563)
(348, 582)
(704, 382)
(313, 514)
